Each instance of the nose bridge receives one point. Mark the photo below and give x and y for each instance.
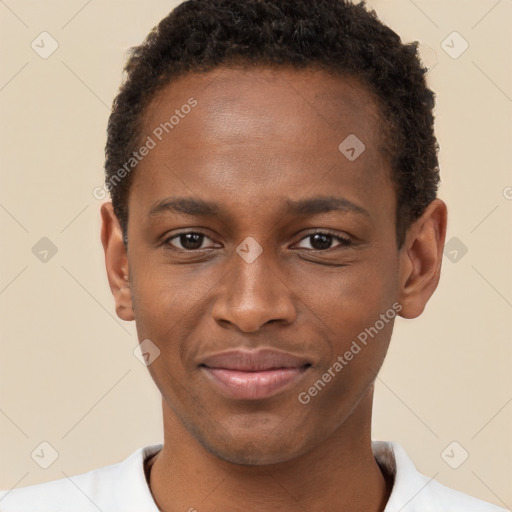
(253, 292)
(252, 273)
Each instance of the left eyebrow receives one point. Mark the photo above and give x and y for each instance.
(324, 204)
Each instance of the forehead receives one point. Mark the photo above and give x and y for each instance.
(326, 102)
(260, 125)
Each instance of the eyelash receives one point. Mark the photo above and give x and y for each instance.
(344, 242)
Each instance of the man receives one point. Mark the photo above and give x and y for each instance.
(273, 173)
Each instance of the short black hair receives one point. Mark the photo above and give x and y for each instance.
(336, 35)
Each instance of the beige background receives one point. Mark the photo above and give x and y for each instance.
(68, 373)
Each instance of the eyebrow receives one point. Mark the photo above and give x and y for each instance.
(309, 206)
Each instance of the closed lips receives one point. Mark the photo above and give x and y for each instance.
(255, 361)
(256, 375)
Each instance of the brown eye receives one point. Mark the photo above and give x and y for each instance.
(190, 241)
(322, 241)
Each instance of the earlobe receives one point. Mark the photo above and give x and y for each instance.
(116, 262)
(421, 258)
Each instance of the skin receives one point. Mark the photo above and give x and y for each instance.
(256, 138)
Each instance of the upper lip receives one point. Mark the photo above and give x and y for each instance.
(253, 361)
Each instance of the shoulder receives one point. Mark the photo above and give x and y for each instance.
(440, 497)
(415, 492)
(117, 487)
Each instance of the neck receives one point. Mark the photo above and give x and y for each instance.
(338, 474)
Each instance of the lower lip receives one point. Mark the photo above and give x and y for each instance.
(245, 385)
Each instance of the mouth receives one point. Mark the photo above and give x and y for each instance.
(254, 375)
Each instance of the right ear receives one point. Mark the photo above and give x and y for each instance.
(116, 262)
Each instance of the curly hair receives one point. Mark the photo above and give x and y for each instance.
(335, 35)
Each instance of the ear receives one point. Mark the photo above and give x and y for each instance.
(116, 262)
(420, 259)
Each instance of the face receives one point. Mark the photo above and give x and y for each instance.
(259, 252)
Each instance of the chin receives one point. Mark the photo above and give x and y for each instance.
(254, 448)
(257, 438)
(250, 455)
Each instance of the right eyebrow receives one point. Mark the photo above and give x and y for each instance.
(185, 205)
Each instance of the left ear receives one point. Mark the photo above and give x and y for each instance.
(420, 259)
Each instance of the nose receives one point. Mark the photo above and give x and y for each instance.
(252, 295)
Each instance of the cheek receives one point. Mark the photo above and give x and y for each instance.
(338, 384)
(162, 313)
(359, 308)
(354, 297)
(170, 305)
(373, 281)
(164, 297)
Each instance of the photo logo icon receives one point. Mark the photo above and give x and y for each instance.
(249, 249)
(454, 45)
(352, 147)
(44, 455)
(146, 352)
(454, 455)
(455, 249)
(44, 250)
(44, 45)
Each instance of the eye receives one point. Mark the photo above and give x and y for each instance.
(189, 241)
(321, 241)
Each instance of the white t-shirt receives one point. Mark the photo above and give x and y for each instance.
(123, 487)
